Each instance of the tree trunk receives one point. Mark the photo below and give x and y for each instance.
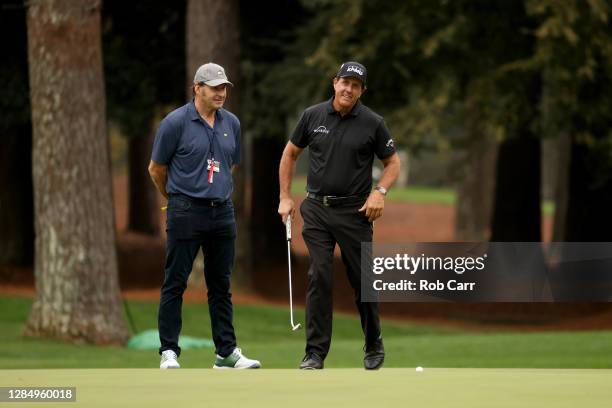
(77, 290)
(268, 237)
(590, 195)
(16, 198)
(516, 214)
(562, 146)
(213, 35)
(143, 216)
(476, 186)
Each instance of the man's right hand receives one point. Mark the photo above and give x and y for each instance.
(286, 207)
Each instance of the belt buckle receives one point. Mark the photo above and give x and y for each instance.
(326, 200)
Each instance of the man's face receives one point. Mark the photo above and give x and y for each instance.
(211, 97)
(347, 91)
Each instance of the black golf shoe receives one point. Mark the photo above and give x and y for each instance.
(374, 355)
(311, 361)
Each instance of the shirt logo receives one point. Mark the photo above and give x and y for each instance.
(355, 68)
(321, 129)
(390, 144)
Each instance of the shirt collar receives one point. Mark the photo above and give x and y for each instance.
(354, 112)
(193, 112)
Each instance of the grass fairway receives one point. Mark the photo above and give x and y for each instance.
(264, 333)
(438, 387)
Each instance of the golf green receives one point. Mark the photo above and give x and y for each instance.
(394, 387)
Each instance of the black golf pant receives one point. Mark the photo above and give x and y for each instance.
(323, 228)
(190, 225)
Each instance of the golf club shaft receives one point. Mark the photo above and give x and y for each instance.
(290, 286)
(288, 236)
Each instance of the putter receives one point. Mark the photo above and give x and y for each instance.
(294, 327)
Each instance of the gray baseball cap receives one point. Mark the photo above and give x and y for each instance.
(211, 74)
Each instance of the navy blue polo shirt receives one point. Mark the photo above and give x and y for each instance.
(341, 149)
(185, 142)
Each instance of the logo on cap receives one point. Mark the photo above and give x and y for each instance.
(354, 68)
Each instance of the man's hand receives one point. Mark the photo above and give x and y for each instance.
(374, 205)
(286, 207)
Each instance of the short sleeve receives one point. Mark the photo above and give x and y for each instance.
(238, 135)
(300, 133)
(384, 145)
(165, 143)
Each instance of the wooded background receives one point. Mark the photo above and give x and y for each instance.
(497, 84)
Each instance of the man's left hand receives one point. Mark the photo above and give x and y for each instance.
(374, 205)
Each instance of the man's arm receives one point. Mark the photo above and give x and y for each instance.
(159, 174)
(375, 203)
(286, 169)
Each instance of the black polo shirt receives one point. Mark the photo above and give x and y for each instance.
(342, 149)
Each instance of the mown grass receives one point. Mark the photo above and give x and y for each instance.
(263, 333)
(389, 387)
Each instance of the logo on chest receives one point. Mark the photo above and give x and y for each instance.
(321, 129)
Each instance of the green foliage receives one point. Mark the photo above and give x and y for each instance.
(446, 73)
(144, 59)
(574, 54)
(274, 78)
(15, 100)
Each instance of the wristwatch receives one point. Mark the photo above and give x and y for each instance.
(381, 190)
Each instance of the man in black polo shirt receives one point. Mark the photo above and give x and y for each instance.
(342, 135)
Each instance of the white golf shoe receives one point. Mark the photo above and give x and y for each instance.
(236, 360)
(168, 360)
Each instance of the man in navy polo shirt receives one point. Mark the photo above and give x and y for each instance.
(342, 136)
(195, 150)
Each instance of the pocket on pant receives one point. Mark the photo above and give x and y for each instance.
(302, 205)
(178, 204)
(179, 225)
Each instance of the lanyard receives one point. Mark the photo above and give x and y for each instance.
(211, 141)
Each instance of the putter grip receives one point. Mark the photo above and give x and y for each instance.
(288, 228)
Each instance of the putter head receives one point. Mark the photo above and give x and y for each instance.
(297, 326)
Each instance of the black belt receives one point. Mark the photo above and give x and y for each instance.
(205, 202)
(331, 201)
